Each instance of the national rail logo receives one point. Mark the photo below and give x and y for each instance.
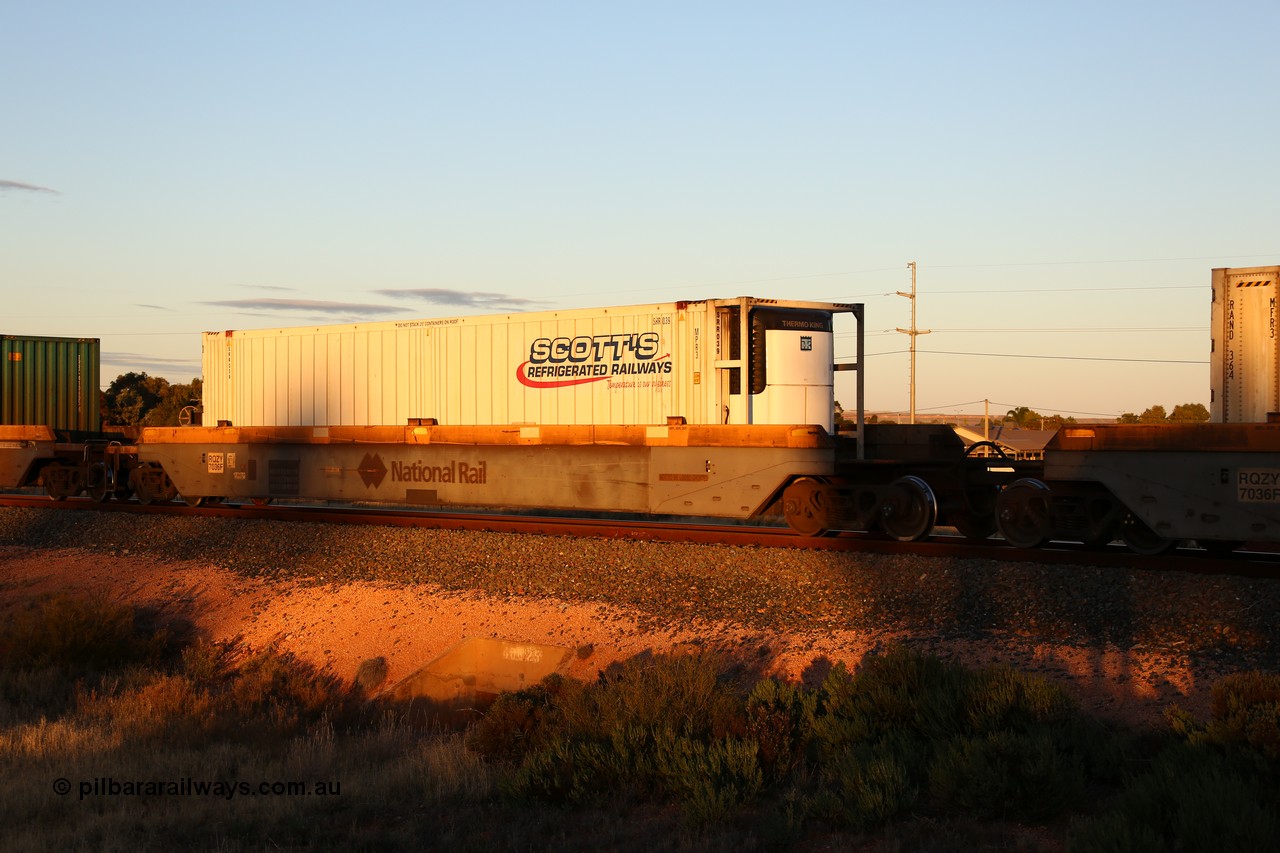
(373, 471)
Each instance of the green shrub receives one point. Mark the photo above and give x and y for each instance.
(687, 693)
(264, 697)
(690, 693)
(651, 727)
(1193, 798)
(991, 743)
(207, 662)
(516, 724)
(869, 786)
(896, 691)
(78, 636)
(1000, 698)
(1115, 832)
(285, 696)
(562, 771)
(1245, 711)
(710, 779)
(779, 718)
(1008, 774)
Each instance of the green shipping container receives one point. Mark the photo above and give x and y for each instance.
(50, 382)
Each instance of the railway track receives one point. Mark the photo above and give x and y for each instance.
(1244, 563)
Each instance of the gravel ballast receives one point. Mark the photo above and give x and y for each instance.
(1198, 626)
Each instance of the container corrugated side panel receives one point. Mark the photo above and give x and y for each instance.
(1245, 358)
(51, 382)
(461, 371)
(472, 369)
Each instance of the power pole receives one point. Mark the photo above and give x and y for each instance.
(913, 331)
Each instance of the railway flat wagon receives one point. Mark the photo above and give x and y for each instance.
(676, 469)
(1152, 485)
(731, 361)
(1245, 357)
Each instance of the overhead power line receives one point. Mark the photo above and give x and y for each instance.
(686, 286)
(1055, 410)
(1086, 329)
(1038, 290)
(1046, 357)
(1073, 357)
(1096, 263)
(1044, 330)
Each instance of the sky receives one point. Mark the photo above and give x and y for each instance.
(1065, 176)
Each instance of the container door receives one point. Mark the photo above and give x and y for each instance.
(730, 367)
(1244, 362)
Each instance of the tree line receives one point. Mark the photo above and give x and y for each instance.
(1025, 417)
(1184, 413)
(136, 399)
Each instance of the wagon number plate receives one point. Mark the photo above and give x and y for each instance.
(1258, 485)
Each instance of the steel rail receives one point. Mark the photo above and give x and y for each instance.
(1246, 563)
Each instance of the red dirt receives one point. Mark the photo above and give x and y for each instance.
(336, 627)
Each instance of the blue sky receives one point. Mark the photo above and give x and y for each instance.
(1064, 175)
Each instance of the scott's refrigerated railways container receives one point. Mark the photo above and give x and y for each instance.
(1245, 358)
(50, 382)
(740, 361)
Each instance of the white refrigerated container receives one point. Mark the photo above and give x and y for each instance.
(638, 364)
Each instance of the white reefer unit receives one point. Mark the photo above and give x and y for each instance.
(1245, 358)
(739, 361)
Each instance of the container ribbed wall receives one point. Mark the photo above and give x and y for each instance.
(50, 382)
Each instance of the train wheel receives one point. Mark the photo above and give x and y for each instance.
(1022, 513)
(1141, 539)
(910, 509)
(194, 500)
(58, 482)
(98, 487)
(804, 505)
(151, 484)
(167, 491)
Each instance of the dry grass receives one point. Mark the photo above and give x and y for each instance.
(162, 742)
(136, 743)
